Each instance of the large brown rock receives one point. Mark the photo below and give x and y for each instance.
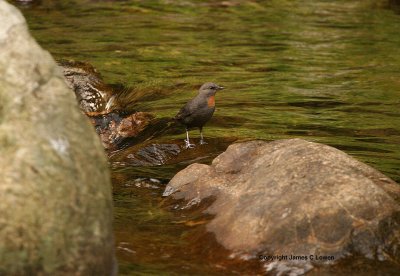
(293, 197)
(55, 200)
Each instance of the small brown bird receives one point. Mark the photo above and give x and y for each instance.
(198, 111)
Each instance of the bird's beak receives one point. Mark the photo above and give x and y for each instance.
(221, 87)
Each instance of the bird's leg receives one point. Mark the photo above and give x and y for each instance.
(201, 137)
(187, 142)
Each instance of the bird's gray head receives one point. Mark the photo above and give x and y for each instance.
(210, 88)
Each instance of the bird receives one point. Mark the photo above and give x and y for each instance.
(198, 111)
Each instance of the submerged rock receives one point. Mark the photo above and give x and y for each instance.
(55, 200)
(294, 205)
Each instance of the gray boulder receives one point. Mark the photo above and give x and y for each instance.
(55, 199)
(294, 198)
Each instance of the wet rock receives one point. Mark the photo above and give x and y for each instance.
(55, 200)
(294, 198)
(100, 102)
(94, 96)
(27, 2)
(159, 152)
(154, 154)
(114, 129)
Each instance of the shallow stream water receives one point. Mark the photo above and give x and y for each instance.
(325, 71)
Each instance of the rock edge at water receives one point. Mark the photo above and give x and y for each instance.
(293, 197)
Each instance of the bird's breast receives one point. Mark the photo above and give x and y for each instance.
(211, 101)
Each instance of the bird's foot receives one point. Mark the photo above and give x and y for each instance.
(188, 145)
(202, 142)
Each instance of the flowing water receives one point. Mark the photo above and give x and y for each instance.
(325, 71)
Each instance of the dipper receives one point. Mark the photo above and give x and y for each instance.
(198, 111)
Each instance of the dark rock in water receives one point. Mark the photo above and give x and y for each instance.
(28, 2)
(158, 152)
(295, 198)
(55, 199)
(154, 154)
(114, 129)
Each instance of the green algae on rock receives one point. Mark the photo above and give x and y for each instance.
(55, 204)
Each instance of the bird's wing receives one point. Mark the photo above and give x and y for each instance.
(185, 111)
